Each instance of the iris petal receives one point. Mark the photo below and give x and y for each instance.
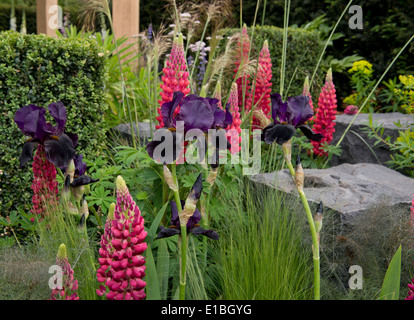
(167, 232)
(58, 111)
(207, 233)
(280, 133)
(308, 132)
(60, 151)
(80, 166)
(27, 152)
(279, 108)
(196, 113)
(82, 180)
(298, 110)
(32, 122)
(168, 108)
(175, 146)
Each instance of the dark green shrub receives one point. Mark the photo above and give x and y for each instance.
(35, 69)
(303, 50)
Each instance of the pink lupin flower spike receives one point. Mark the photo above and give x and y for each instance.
(234, 131)
(175, 77)
(44, 186)
(325, 115)
(243, 82)
(263, 84)
(122, 264)
(69, 284)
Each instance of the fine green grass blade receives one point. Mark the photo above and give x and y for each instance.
(391, 285)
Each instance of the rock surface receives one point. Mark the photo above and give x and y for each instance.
(123, 131)
(354, 149)
(348, 189)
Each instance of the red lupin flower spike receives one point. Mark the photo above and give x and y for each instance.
(175, 77)
(263, 84)
(325, 115)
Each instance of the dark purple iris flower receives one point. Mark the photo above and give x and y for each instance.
(59, 146)
(192, 225)
(287, 117)
(196, 113)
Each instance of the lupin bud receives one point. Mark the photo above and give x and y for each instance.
(203, 92)
(191, 201)
(111, 211)
(62, 252)
(169, 179)
(318, 217)
(299, 175)
(287, 151)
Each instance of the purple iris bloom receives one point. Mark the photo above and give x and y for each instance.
(287, 117)
(192, 225)
(196, 113)
(59, 146)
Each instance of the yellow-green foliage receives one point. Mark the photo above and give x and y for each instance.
(406, 93)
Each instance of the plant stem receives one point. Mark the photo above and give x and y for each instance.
(315, 235)
(182, 238)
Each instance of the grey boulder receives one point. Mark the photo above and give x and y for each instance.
(355, 143)
(347, 189)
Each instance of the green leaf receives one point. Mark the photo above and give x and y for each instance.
(151, 278)
(163, 266)
(154, 226)
(391, 285)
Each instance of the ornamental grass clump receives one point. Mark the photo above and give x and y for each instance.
(122, 245)
(325, 115)
(289, 116)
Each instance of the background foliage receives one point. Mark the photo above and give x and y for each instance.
(297, 58)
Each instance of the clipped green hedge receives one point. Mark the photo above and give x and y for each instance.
(35, 69)
(303, 50)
